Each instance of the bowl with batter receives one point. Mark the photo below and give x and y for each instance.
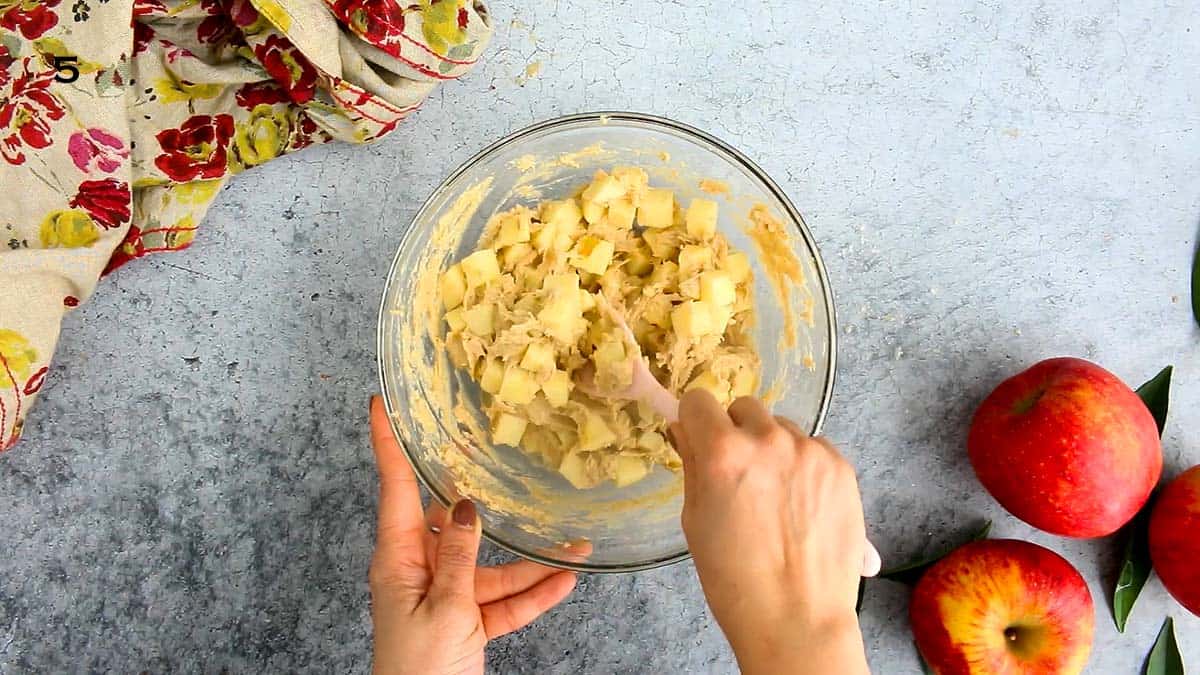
(502, 331)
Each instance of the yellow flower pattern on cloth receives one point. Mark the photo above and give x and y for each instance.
(118, 152)
(69, 229)
(18, 356)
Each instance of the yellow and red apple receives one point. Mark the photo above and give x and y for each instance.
(1175, 538)
(1003, 606)
(1067, 447)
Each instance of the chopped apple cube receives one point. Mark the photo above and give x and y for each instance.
(717, 287)
(508, 429)
(481, 319)
(651, 440)
(480, 267)
(517, 386)
(593, 212)
(586, 300)
(539, 358)
(633, 178)
(558, 388)
(574, 469)
(595, 432)
(513, 230)
(543, 238)
(666, 274)
(604, 189)
(515, 254)
(562, 285)
(656, 208)
(453, 286)
(493, 373)
(663, 243)
(694, 259)
(630, 470)
(701, 218)
(744, 383)
(692, 319)
(738, 266)
(563, 214)
(638, 263)
(454, 319)
(707, 380)
(592, 254)
(621, 213)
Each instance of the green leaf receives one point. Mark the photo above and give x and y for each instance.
(910, 572)
(1135, 567)
(1196, 286)
(1164, 657)
(1155, 394)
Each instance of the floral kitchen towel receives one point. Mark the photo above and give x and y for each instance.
(121, 119)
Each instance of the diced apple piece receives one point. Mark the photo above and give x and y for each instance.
(458, 353)
(595, 433)
(513, 255)
(658, 312)
(692, 319)
(745, 381)
(508, 429)
(592, 254)
(562, 318)
(701, 218)
(481, 319)
(493, 373)
(453, 286)
(513, 230)
(694, 259)
(656, 208)
(543, 238)
(574, 469)
(638, 263)
(593, 212)
(562, 285)
(517, 386)
(721, 316)
(564, 240)
(621, 213)
(563, 214)
(558, 388)
(738, 266)
(604, 189)
(454, 319)
(586, 300)
(651, 440)
(630, 470)
(663, 243)
(717, 287)
(633, 178)
(539, 358)
(480, 267)
(665, 274)
(707, 380)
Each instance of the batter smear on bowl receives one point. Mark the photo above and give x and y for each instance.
(524, 317)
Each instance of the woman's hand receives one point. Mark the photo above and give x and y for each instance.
(433, 610)
(774, 522)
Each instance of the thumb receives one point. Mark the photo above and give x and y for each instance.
(457, 549)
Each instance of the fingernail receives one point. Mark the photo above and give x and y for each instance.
(464, 513)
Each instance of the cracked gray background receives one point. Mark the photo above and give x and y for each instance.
(991, 183)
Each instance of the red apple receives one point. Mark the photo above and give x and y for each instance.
(1066, 447)
(1003, 606)
(1175, 538)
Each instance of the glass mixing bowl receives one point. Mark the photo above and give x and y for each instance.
(525, 506)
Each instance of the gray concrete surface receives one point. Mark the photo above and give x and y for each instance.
(991, 183)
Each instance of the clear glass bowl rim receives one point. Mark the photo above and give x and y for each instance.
(583, 120)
